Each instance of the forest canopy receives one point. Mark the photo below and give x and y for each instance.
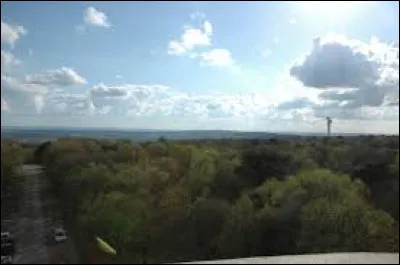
(170, 201)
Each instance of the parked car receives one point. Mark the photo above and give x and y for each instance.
(7, 245)
(59, 235)
(6, 259)
(5, 237)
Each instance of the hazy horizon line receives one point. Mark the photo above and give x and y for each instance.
(183, 130)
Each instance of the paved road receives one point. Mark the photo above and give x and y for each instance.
(37, 215)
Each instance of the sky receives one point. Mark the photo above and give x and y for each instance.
(248, 66)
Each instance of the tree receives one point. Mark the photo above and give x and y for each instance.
(40, 151)
(128, 231)
(263, 163)
(12, 158)
(237, 235)
(206, 220)
(349, 226)
(170, 201)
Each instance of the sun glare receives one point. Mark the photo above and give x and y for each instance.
(333, 11)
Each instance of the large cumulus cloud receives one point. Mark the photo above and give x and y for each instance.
(371, 70)
(350, 74)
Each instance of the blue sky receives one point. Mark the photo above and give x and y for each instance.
(256, 66)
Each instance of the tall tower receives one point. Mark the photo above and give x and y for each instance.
(328, 125)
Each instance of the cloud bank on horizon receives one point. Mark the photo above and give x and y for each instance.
(101, 66)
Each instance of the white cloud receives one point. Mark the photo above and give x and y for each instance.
(288, 88)
(216, 57)
(208, 29)
(292, 20)
(24, 94)
(8, 61)
(63, 76)
(128, 99)
(39, 102)
(297, 103)
(27, 94)
(66, 104)
(153, 106)
(102, 90)
(94, 17)
(338, 112)
(10, 34)
(352, 76)
(148, 100)
(191, 38)
(17, 84)
(176, 48)
(4, 106)
(194, 38)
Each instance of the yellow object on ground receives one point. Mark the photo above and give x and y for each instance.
(105, 247)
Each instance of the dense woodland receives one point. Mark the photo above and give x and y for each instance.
(168, 201)
(13, 155)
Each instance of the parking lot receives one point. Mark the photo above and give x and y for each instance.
(30, 224)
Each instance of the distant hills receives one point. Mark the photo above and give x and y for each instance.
(38, 134)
